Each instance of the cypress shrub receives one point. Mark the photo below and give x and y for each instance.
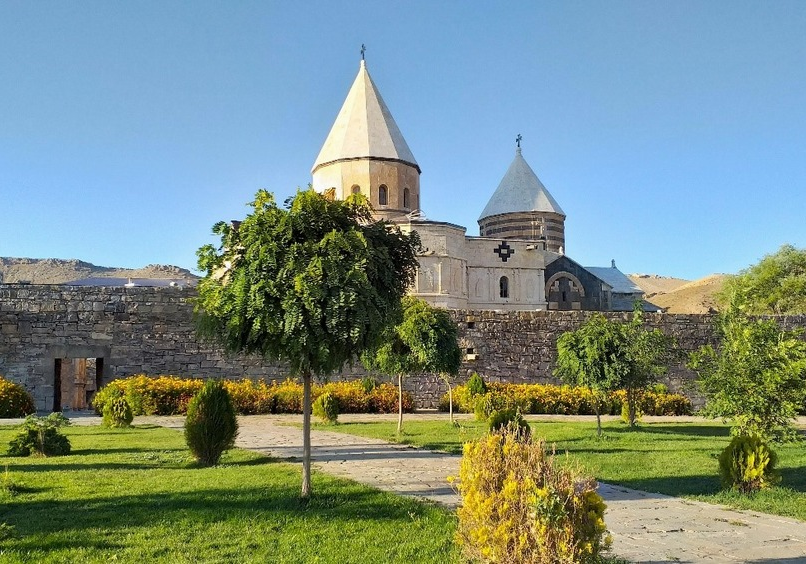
(210, 426)
(476, 385)
(326, 408)
(117, 413)
(508, 419)
(748, 464)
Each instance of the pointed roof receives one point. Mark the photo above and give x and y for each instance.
(520, 191)
(364, 128)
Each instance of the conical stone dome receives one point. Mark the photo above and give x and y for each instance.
(522, 208)
(364, 128)
(366, 153)
(520, 191)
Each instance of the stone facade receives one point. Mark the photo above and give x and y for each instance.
(46, 331)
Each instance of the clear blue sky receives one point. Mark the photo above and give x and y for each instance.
(673, 134)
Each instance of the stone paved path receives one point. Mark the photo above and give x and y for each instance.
(646, 527)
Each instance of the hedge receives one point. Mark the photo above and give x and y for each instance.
(170, 395)
(563, 400)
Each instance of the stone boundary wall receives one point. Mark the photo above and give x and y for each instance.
(151, 331)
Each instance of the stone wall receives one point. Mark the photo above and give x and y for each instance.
(150, 330)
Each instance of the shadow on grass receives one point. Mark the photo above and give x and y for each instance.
(132, 450)
(687, 429)
(333, 503)
(674, 486)
(794, 479)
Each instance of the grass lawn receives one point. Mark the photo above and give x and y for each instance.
(135, 496)
(677, 459)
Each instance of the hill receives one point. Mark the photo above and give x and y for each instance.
(676, 295)
(58, 271)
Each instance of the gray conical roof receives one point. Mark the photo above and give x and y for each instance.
(520, 191)
(364, 128)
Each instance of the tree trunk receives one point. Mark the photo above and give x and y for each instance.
(399, 403)
(306, 435)
(597, 409)
(450, 398)
(631, 407)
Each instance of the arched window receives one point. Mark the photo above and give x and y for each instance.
(383, 195)
(356, 189)
(503, 287)
(406, 204)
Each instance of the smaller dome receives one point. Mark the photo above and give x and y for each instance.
(520, 191)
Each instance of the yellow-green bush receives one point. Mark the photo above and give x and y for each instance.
(520, 505)
(15, 401)
(748, 464)
(560, 400)
(170, 395)
(326, 408)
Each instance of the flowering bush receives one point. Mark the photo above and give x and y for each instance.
(560, 400)
(15, 401)
(519, 505)
(170, 395)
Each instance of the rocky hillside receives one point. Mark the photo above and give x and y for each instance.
(676, 295)
(58, 271)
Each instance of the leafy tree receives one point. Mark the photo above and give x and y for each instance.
(647, 355)
(776, 285)
(755, 376)
(424, 340)
(592, 357)
(605, 355)
(313, 284)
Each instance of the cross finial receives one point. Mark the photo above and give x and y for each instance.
(363, 50)
(518, 140)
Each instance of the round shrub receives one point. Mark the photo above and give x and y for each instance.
(519, 505)
(476, 385)
(326, 408)
(15, 401)
(210, 426)
(508, 419)
(748, 464)
(117, 413)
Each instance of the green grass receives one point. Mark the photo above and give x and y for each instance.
(135, 496)
(677, 459)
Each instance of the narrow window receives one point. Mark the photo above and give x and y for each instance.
(406, 198)
(503, 287)
(383, 196)
(356, 189)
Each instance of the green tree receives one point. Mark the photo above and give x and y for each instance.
(314, 284)
(776, 285)
(592, 357)
(647, 354)
(755, 376)
(424, 340)
(605, 355)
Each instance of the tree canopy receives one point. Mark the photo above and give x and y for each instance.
(605, 355)
(775, 285)
(755, 376)
(313, 284)
(424, 340)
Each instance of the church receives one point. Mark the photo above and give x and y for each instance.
(516, 263)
